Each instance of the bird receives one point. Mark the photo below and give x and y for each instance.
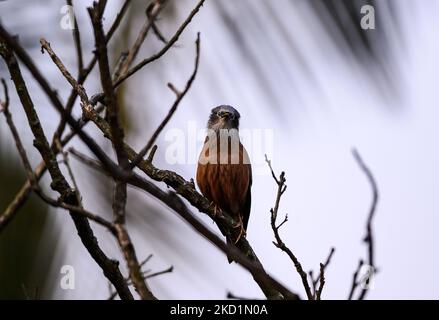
(224, 173)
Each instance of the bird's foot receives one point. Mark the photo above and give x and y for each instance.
(217, 212)
(242, 232)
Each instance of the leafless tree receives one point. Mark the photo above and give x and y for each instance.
(121, 170)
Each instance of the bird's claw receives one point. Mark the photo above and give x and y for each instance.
(216, 210)
(242, 232)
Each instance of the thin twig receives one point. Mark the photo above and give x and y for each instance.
(158, 33)
(91, 143)
(77, 40)
(13, 45)
(368, 239)
(23, 194)
(145, 261)
(45, 46)
(180, 96)
(320, 276)
(279, 243)
(159, 54)
(149, 14)
(315, 281)
(117, 21)
(322, 282)
(146, 276)
(86, 160)
(15, 135)
(83, 76)
(66, 162)
(30, 173)
(116, 72)
(105, 75)
(5, 104)
(155, 9)
(77, 210)
(354, 280)
(328, 259)
(59, 183)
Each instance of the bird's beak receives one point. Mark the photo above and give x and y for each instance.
(225, 114)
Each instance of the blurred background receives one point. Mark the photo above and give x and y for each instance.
(304, 70)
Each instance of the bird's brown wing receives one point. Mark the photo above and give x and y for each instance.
(245, 211)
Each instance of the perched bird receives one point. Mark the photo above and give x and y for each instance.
(224, 173)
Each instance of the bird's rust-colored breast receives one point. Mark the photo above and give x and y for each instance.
(226, 184)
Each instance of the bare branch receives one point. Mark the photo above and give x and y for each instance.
(145, 261)
(146, 275)
(66, 162)
(53, 98)
(86, 107)
(317, 292)
(158, 33)
(354, 280)
(154, 8)
(368, 239)
(117, 21)
(279, 243)
(180, 96)
(59, 183)
(15, 135)
(45, 46)
(159, 273)
(245, 256)
(120, 190)
(77, 40)
(112, 104)
(20, 198)
(5, 104)
(153, 19)
(159, 54)
(24, 192)
(56, 203)
(77, 210)
(322, 282)
(83, 76)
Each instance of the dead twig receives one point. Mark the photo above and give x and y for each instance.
(321, 277)
(77, 40)
(7, 46)
(279, 243)
(180, 96)
(117, 133)
(368, 239)
(154, 10)
(159, 54)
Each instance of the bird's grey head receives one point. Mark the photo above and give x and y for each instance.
(223, 117)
